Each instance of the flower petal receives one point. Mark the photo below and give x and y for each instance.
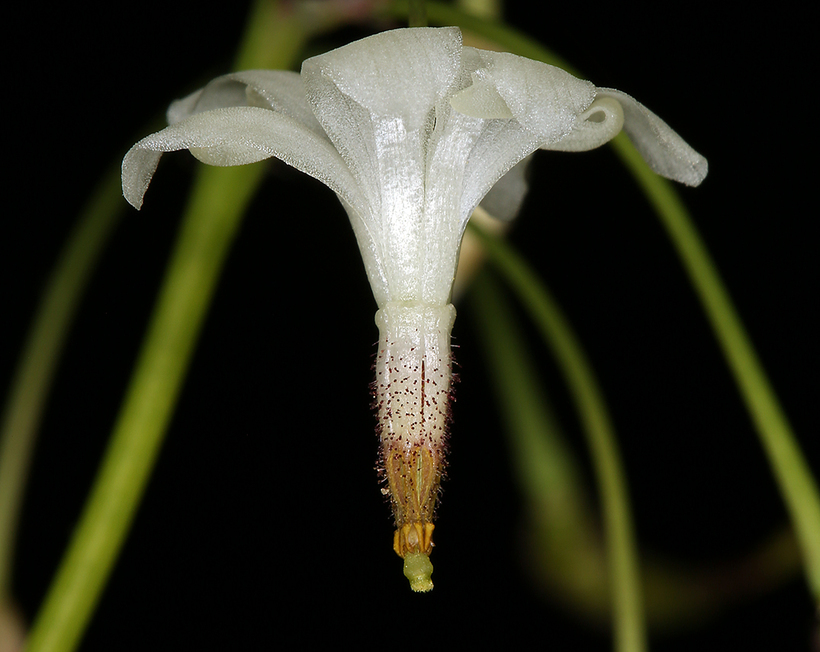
(400, 73)
(524, 105)
(481, 99)
(376, 99)
(505, 198)
(665, 152)
(278, 90)
(220, 93)
(236, 136)
(473, 155)
(544, 99)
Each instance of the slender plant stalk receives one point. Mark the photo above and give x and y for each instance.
(628, 617)
(564, 532)
(506, 37)
(566, 547)
(214, 213)
(489, 9)
(40, 354)
(797, 485)
(416, 14)
(220, 196)
(546, 466)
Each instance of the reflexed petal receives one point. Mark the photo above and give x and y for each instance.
(181, 109)
(236, 136)
(220, 93)
(665, 152)
(138, 169)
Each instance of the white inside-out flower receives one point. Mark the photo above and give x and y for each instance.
(411, 130)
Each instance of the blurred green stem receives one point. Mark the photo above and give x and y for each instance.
(488, 9)
(416, 14)
(563, 537)
(792, 472)
(628, 617)
(545, 466)
(218, 201)
(219, 198)
(506, 37)
(40, 354)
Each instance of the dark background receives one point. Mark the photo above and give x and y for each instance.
(263, 522)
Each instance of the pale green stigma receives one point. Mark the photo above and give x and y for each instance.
(418, 569)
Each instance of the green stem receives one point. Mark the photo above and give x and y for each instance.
(545, 465)
(209, 226)
(792, 472)
(416, 14)
(214, 213)
(487, 9)
(40, 354)
(628, 616)
(506, 37)
(569, 559)
(565, 539)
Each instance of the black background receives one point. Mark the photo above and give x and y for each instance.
(263, 522)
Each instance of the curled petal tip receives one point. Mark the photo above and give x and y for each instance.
(596, 126)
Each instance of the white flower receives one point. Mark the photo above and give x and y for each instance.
(411, 130)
